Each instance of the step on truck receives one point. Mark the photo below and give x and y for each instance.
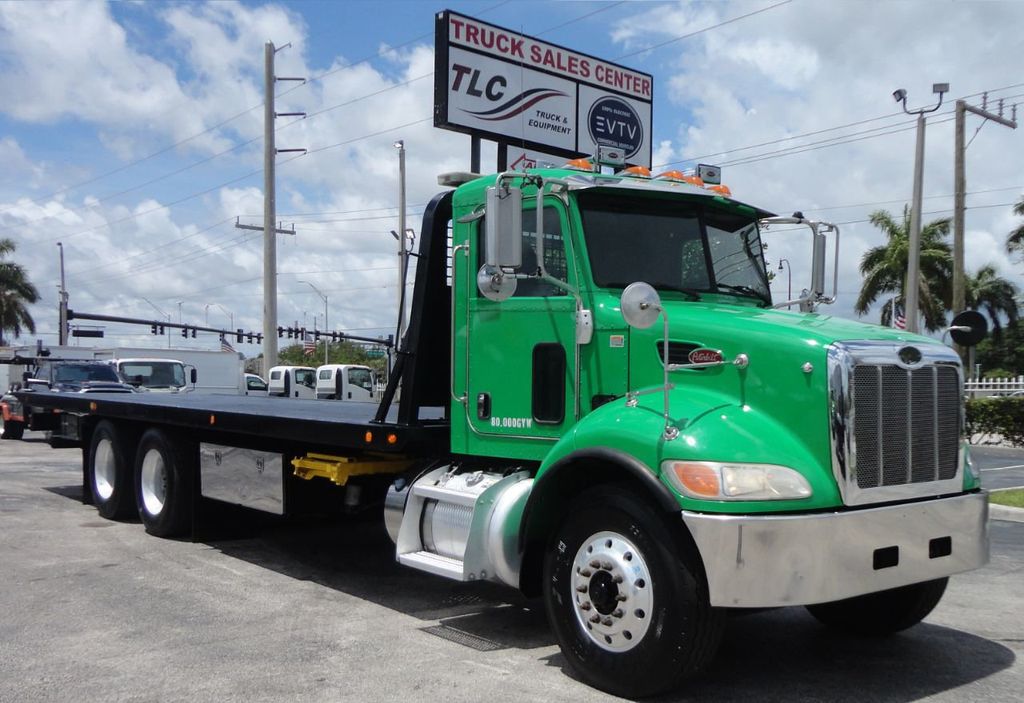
(602, 406)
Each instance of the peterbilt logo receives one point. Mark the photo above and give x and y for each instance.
(910, 356)
(614, 122)
(705, 356)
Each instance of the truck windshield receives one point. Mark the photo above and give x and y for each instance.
(76, 373)
(153, 374)
(673, 246)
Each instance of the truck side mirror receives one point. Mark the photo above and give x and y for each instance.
(503, 227)
(968, 328)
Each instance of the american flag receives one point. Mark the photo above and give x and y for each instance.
(308, 346)
(225, 345)
(899, 320)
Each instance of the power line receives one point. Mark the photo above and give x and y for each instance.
(701, 31)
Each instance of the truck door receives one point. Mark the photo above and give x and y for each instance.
(521, 350)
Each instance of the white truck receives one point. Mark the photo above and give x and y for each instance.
(345, 382)
(292, 382)
(215, 371)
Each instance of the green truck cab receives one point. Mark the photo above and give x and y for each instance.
(695, 447)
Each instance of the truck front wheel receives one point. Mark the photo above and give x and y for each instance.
(882, 613)
(163, 484)
(626, 597)
(109, 472)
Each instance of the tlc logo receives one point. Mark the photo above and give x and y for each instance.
(469, 81)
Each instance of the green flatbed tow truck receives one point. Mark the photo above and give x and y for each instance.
(551, 435)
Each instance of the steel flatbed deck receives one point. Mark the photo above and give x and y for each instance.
(265, 420)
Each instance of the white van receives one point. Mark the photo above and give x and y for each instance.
(345, 382)
(292, 382)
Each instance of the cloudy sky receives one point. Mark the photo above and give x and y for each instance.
(132, 133)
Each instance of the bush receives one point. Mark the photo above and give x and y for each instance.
(1001, 416)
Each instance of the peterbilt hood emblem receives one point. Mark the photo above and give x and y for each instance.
(911, 356)
(705, 356)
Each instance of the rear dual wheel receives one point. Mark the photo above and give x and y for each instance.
(163, 483)
(109, 471)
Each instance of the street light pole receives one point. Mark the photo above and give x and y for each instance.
(323, 297)
(913, 284)
(789, 286)
(62, 314)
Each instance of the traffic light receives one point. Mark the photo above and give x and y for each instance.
(238, 335)
(291, 333)
(259, 339)
(248, 338)
(280, 332)
(184, 331)
(152, 329)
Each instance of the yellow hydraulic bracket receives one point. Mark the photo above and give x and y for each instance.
(339, 468)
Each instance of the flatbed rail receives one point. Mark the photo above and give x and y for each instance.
(330, 425)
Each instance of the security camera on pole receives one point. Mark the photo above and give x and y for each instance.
(914, 254)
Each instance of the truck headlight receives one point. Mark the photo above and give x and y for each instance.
(728, 481)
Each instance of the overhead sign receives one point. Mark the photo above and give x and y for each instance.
(512, 88)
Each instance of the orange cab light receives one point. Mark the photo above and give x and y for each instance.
(368, 437)
(580, 165)
(694, 181)
(213, 419)
(92, 407)
(672, 176)
(392, 439)
(641, 171)
(699, 479)
(721, 190)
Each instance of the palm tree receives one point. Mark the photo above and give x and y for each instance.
(1015, 240)
(987, 291)
(15, 293)
(884, 268)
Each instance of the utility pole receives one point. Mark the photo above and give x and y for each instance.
(62, 312)
(403, 256)
(911, 298)
(270, 152)
(960, 189)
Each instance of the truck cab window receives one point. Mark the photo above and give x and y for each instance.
(554, 253)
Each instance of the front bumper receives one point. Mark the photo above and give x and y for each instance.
(757, 561)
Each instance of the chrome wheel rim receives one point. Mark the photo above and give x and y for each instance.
(104, 470)
(613, 595)
(154, 482)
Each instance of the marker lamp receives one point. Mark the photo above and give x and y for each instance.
(706, 480)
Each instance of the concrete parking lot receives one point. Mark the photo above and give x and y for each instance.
(97, 610)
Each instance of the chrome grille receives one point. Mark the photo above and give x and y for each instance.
(905, 424)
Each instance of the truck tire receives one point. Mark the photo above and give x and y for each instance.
(626, 596)
(163, 483)
(882, 613)
(12, 429)
(109, 472)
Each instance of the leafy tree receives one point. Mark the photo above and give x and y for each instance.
(343, 352)
(16, 293)
(1006, 352)
(1015, 240)
(884, 268)
(993, 295)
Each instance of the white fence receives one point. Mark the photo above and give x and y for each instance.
(983, 387)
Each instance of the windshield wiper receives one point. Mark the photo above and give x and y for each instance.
(692, 293)
(745, 291)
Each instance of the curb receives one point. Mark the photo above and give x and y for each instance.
(1005, 512)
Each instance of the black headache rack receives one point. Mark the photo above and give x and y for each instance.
(423, 365)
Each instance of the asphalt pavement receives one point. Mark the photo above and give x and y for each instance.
(95, 610)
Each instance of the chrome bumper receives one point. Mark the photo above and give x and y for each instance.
(766, 561)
